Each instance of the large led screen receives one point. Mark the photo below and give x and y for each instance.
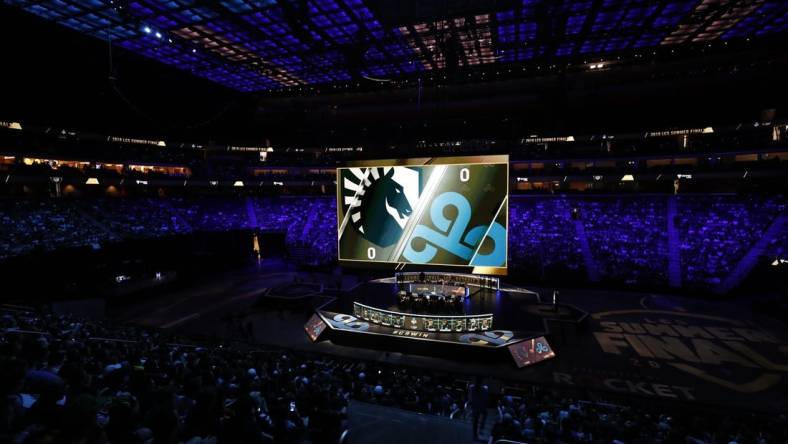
(425, 212)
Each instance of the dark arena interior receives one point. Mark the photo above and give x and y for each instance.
(403, 221)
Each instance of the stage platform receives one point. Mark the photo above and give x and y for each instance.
(489, 346)
(489, 325)
(503, 304)
(658, 348)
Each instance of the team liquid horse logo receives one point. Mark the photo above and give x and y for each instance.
(380, 201)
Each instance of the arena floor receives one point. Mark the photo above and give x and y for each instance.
(662, 348)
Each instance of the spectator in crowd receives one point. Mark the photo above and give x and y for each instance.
(478, 395)
(66, 379)
(626, 236)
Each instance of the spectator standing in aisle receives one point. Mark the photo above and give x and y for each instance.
(478, 398)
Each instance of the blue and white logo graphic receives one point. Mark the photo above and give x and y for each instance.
(380, 201)
(453, 236)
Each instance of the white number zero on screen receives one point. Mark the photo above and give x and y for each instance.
(371, 253)
(465, 174)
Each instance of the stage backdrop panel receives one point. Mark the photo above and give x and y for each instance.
(435, 212)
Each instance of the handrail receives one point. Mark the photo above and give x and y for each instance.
(26, 332)
(15, 307)
(343, 438)
(128, 341)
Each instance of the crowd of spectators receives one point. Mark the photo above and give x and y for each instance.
(627, 236)
(211, 214)
(778, 247)
(716, 231)
(540, 415)
(27, 225)
(309, 223)
(49, 224)
(542, 236)
(67, 379)
(322, 232)
(147, 218)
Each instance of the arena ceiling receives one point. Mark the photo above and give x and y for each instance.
(267, 45)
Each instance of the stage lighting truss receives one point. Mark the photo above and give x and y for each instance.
(263, 45)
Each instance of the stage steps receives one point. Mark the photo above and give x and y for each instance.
(674, 246)
(588, 259)
(251, 214)
(747, 263)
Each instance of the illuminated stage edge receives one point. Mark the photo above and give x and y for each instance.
(467, 337)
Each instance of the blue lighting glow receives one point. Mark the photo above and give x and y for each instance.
(253, 45)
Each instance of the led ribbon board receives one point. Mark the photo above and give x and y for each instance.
(430, 211)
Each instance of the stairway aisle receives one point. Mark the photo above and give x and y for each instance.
(747, 263)
(251, 214)
(674, 246)
(588, 258)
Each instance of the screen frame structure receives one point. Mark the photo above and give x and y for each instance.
(496, 159)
